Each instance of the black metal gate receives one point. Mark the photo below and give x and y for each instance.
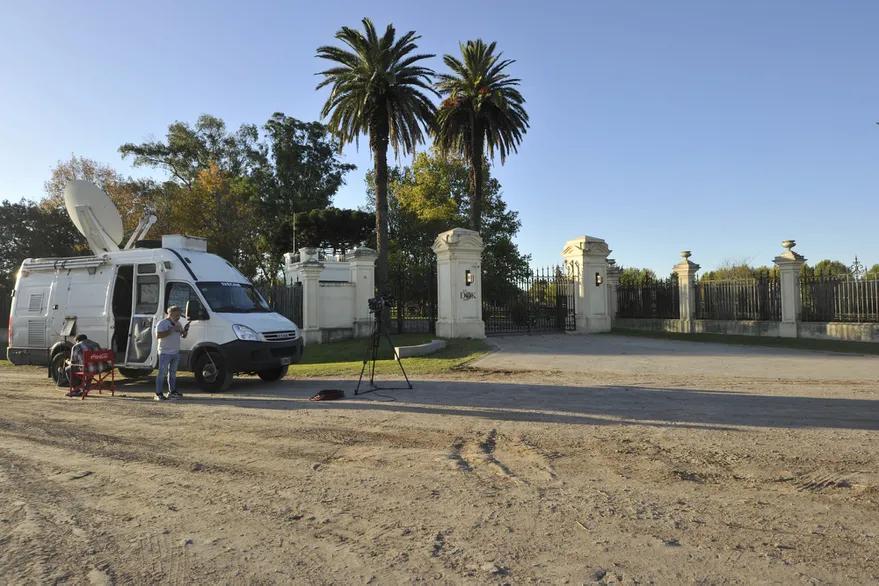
(413, 288)
(286, 300)
(544, 300)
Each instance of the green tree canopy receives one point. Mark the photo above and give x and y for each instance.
(634, 277)
(378, 87)
(341, 230)
(482, 109)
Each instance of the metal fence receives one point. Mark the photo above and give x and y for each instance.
(413, 308)
(543, 300)
(286, 300)
(839, 299)
(658, 299)
(745, 299)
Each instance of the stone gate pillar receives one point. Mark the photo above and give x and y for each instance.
(459, 284)
(590, 254)
(686, 272)
(613, 281)
(310, 269)
(362, 263)
(789, 264)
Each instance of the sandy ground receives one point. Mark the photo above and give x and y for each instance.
(588, 472)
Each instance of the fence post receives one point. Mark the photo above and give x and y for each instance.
(459, 284)
(590, 254)
(686, 272)
(310, 269)
(363, 276)
(613, 281)
(789, 264)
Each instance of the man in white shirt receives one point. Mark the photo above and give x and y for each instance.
(169, 332)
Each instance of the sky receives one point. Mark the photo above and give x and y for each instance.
(718, 127)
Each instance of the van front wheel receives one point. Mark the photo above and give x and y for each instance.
(270, 375)
(211, 372)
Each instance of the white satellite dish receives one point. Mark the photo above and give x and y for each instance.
(94, 215)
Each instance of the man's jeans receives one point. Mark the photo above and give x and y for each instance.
(167, 369)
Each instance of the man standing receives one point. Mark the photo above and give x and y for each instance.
(169, 332)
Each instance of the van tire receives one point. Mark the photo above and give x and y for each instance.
(56, 368)
(211, 372)
(270, 375)
(134, 373)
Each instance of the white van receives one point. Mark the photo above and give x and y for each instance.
(117, 297)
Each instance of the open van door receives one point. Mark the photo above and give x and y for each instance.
(141, 350)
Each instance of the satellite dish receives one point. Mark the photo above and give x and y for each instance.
(94, 215)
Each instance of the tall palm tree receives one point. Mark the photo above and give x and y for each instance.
(380, 89)
(482, 108)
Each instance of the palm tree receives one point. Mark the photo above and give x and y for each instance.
(380, 89)
(482, 108)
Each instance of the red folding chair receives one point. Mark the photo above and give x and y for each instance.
(97, 372)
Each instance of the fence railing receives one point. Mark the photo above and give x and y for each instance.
(839, 300)
(658, 299)
(744, 299)
(286, 300)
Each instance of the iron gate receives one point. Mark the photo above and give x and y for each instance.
(413, 288)
(541, 301)
(286, 300)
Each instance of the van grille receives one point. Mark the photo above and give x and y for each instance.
(36, 333)
(279, 336)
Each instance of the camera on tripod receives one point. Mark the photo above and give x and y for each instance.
(378, 303)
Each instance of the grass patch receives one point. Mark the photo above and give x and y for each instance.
(4, 363)
(793, 343)
(345, 358)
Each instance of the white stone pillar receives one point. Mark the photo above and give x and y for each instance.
(362, 262)
(590, 254)
(789, 264)
(613, 281)
(309, 272)
(459, 284)
(686, 272)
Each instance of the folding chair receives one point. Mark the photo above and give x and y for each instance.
(98, 372)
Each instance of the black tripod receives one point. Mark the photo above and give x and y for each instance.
(375, 338)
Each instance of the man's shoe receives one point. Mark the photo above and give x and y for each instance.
(175, 395)
(160, 398)
(74, 393)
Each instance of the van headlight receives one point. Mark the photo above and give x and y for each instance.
(246, 333)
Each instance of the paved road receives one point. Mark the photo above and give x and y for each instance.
(634, 355)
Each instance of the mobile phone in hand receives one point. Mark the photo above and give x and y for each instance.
(186, 327)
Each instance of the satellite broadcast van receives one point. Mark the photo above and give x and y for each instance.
(116, 297)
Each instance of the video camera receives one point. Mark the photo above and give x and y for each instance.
(379, 302)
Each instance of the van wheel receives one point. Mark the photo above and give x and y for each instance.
(134, 373)
(272, 374)
(211, 372)
(59, 374)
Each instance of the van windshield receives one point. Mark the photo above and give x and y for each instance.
(225, 297)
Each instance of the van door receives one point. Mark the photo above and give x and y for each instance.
(141, 349)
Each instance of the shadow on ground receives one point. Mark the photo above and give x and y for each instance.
(590, 405)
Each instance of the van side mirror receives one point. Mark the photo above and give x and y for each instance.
(195, 311)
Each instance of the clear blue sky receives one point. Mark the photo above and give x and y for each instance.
(722, 127)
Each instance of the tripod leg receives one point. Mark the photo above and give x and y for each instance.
(370, 353)
(399, 360)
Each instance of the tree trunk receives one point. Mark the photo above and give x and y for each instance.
(476, 146)
(379, 144)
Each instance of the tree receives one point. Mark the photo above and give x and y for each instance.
(634, 277)
(378, 88)
(131, 197)
(873, 273)
(341, 230)
(829, 269)
(732, 271)
(482, 109)
(430, 197)
(292, 167)
(34, 231)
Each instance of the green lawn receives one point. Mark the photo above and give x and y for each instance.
(4, 363)
(795, 343)
(345, 358)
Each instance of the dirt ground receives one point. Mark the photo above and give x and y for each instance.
(491, 476)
